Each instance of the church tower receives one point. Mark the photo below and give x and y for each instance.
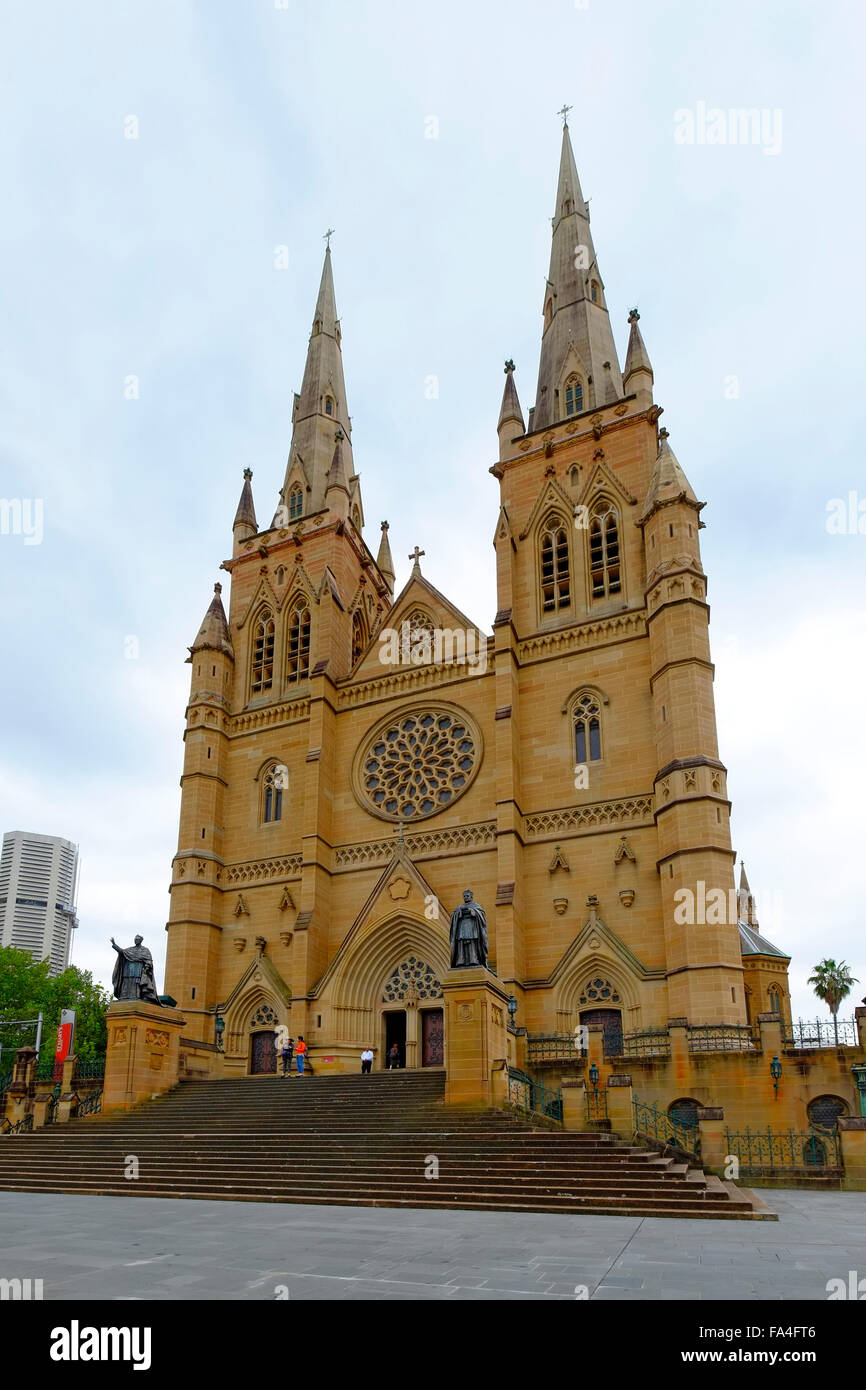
(610, 786)
(307, 595)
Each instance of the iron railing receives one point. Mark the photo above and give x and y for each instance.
(544, 1049)
(823, 1032)
(90, 1069)
(91, 1104)
(721, 1037)
(47, 1069)
(596, 1106)
(758, 1150)
(531, 1096)
(22, 1127)
(655, 1124)
(650, 1042)
(5, 1081)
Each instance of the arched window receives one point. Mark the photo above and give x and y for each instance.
(593, 291)
(274, 782)
(604, 551)
(548, 313)
(555, 579)
(356, 517)
(298, 650)
(587, 728)
(775, 999)
(329, 406)
(359, 634)
(567, 207)
(296, 502)
(573, 396)
(574, 475)
(684, 1113)
(263, 653)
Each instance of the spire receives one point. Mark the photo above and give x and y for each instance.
(668, 483)
(213, 635)
(637, 378)
(384, 560)
(577, 337)
(745, 901)
(511, 422)
(245, 516)
(321, 403)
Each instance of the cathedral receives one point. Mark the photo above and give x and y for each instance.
(356, 760)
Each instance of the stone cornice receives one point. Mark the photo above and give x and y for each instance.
(598, 633)
(260, 870)
(629, 810)
(409, 680)
(426, 844)
(288, 712)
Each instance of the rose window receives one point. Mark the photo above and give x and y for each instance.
(418, 764)
(413, 977)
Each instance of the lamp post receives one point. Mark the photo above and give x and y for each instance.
(858, 1071)
(776, 1072)
(512, 1009)
(593, 1076)
(220, 1029)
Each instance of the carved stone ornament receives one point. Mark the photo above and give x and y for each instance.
(399, 889)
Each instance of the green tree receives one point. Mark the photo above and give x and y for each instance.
(832, 983)
(27, 989)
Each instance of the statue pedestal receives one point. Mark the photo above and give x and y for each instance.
(476, 1034)
(142, 1059)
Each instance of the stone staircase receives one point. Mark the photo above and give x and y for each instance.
(360, 1141)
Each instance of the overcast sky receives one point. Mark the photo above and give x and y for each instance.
(260, 125)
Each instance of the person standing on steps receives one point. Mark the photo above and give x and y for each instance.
(366, 1061)
(300, 1053)
(286, 1054)
(394, 1058)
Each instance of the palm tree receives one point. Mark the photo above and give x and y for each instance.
(832, 984)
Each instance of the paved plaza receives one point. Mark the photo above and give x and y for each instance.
(144, 1248)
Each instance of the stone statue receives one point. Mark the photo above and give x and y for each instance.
(468, 934)
(133, 977)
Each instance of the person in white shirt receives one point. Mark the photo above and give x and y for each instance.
(366, 1060)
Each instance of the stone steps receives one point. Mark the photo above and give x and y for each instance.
(357, 1141)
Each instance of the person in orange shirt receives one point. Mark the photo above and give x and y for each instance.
(300, 1053)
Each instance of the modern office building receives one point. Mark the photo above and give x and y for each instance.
(38, 887)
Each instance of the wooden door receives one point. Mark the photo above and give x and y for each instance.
(432, 1038)
(264, 1053)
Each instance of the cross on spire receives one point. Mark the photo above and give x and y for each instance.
(327, 237)
(563, 112)
(416, 556)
